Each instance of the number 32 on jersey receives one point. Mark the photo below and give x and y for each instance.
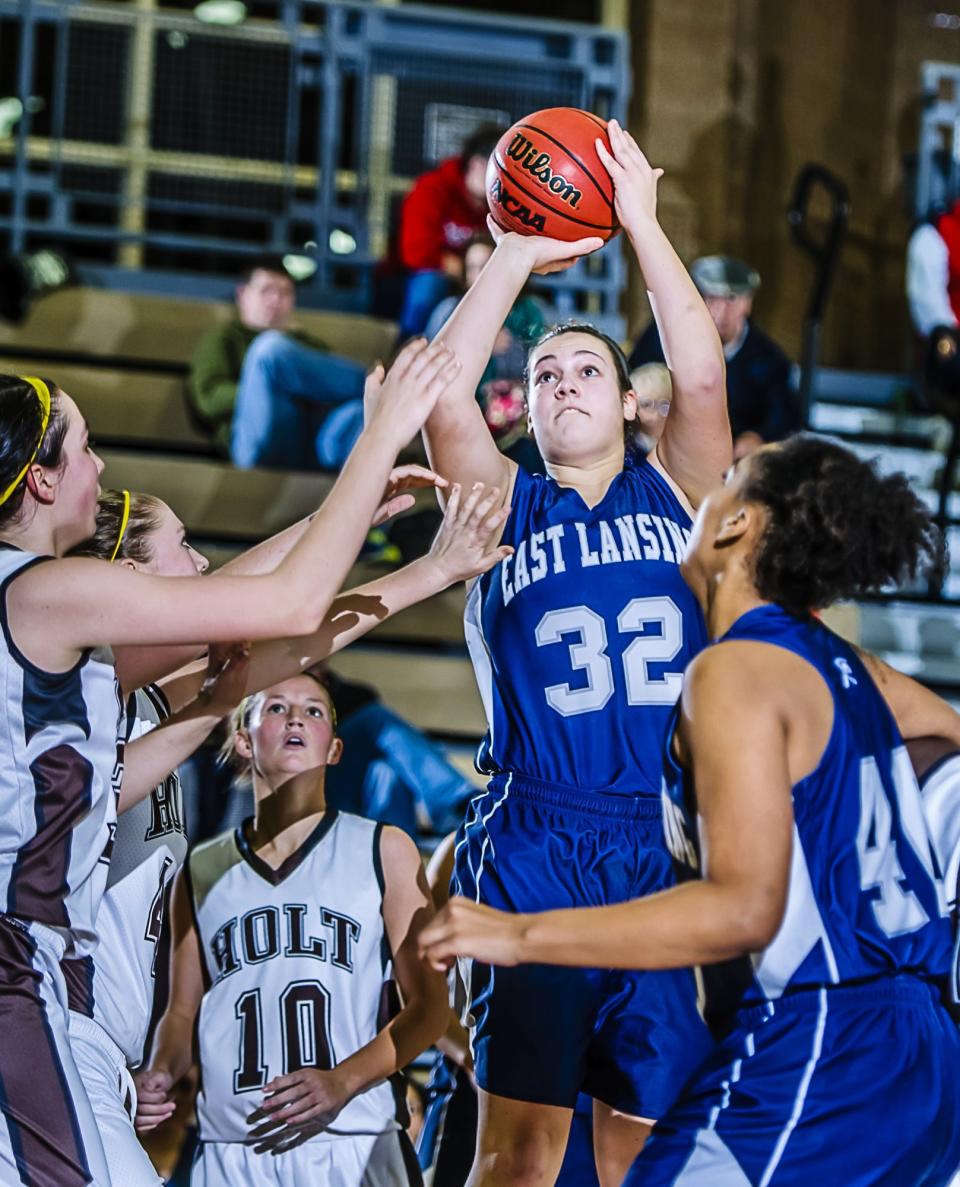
(660, 642)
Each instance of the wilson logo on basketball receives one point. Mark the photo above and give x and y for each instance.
(515, 206)
(538, 164)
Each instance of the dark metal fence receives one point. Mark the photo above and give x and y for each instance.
(153, 146)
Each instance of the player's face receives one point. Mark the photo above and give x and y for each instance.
(171, 553)
(266, 301)
(77, 481)
(725, 527)
(576, 407)
(292, 729)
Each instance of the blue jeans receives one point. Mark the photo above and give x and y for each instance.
(392, 772)
(282, 416)
(424, 292)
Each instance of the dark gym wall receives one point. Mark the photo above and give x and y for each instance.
(731, 98)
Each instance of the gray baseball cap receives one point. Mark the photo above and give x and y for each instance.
(724, 276)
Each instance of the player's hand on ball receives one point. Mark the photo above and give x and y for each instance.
(154, 1099)
(542, 254)
(402, 480)
(466, 544)
(419, 377)
(464, 928)
(634, 179)
(309, 1097)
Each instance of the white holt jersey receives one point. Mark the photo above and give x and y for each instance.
(115, 985)
(62, 760)
(297, 960)
(940, 787)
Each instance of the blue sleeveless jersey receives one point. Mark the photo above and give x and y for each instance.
(579, 640)
(865, 898)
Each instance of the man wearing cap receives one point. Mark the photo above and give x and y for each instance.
(761, 403)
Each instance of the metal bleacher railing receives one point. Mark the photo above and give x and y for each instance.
(156, 148)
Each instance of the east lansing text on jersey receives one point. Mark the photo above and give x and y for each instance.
(259, 935)
(638, 537)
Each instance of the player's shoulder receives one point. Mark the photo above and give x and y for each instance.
(743, 669)
(209, 862)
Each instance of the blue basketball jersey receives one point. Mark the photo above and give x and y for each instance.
(579, 640)
(865, 897)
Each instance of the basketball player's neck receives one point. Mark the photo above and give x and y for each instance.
(286, 815)
(590, 479)
(728, 596)
(37, 534)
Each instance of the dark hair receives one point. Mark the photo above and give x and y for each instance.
(480, 143)
(836, 527)
(267, 263)
(135, 545)
(620, 365)
(21, 419)
(240, 718)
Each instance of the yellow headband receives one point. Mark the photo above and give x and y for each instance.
(124, 520)
(43, 395)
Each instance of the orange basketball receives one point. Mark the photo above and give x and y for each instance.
(545, 178)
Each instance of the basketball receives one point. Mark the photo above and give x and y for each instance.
(545, 177)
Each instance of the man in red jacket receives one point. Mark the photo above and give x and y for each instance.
(445, 208)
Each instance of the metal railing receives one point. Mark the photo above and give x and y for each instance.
(154, 147)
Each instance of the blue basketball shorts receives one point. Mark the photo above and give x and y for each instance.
(858, 1086)
(543, 1034)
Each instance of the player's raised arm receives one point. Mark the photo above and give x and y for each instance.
(172, 1054)
(94, 603)
(458, 441)
(742, 791)
(464, 547)
(696, 447)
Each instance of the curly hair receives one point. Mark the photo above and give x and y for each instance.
(836, 528)
(135, 545)
(21, 419)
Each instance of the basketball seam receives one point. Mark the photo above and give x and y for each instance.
(573, 156)
(551, 209)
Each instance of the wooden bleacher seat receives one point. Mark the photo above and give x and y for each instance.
(124, 357)
(98, 323)
(141, 408)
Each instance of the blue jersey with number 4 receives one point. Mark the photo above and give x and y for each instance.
(579, 640)
(865, 898)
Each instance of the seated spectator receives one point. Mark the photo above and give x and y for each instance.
(501, 391)
(445, 208)
(654, 391)
(933, 294)
(762, 404)
(265, 388)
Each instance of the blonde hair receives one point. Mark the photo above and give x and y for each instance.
(134, 544)
(653, 381)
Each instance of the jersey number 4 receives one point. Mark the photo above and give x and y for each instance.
(304, 1029)
(589, 654)
(896, 908)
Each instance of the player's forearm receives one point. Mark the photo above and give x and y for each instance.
(691, 344)
(696, 923)
(150, 759)
(173, 1044)
(472, 328)
(454, 1043)
(265, 556)
(415, 1028)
